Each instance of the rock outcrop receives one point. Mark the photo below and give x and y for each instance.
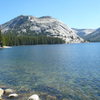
(46, 25)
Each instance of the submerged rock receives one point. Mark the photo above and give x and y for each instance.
(0, 98)
(50, 90)
(14, 95)
(1, 93)
(8, 91)
(49, 97)
(34, 97)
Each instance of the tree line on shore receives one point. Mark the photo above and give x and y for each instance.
(11, 39)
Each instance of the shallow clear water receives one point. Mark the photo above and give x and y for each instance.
(69, 71)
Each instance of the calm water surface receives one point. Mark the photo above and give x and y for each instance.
(67, 71)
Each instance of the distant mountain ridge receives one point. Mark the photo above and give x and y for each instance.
(83, 32)
(92, 35)
(46, 25)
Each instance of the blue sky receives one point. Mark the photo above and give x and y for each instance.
(74, 13)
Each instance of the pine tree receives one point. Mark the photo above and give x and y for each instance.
(11, 39)
(1, 42)
(0, 36)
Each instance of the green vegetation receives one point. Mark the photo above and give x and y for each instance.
(11, 39)
(0, 36)
(1, 44)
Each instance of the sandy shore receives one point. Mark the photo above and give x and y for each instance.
(7, 47)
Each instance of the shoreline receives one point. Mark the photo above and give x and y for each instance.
(47, 44)
(9, 94)
(6, 47)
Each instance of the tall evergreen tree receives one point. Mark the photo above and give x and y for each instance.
(11, 39)
(0, 36)
(1, 43)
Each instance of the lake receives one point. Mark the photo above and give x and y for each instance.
(66, 71)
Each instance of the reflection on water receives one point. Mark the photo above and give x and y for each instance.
(66, 71)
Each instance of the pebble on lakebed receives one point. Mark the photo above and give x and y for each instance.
(7, 94)
(14, 95)
(1, 93)
(34, 97)
(10, 94)
(8, 91)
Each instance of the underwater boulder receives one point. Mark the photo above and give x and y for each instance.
(34, 97)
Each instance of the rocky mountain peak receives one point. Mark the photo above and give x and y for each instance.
(46, 25)
(45, 17)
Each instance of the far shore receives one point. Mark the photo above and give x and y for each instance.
(6, 47)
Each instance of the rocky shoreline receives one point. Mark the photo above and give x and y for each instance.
(10, 94)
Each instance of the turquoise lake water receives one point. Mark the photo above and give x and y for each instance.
(67, 71)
